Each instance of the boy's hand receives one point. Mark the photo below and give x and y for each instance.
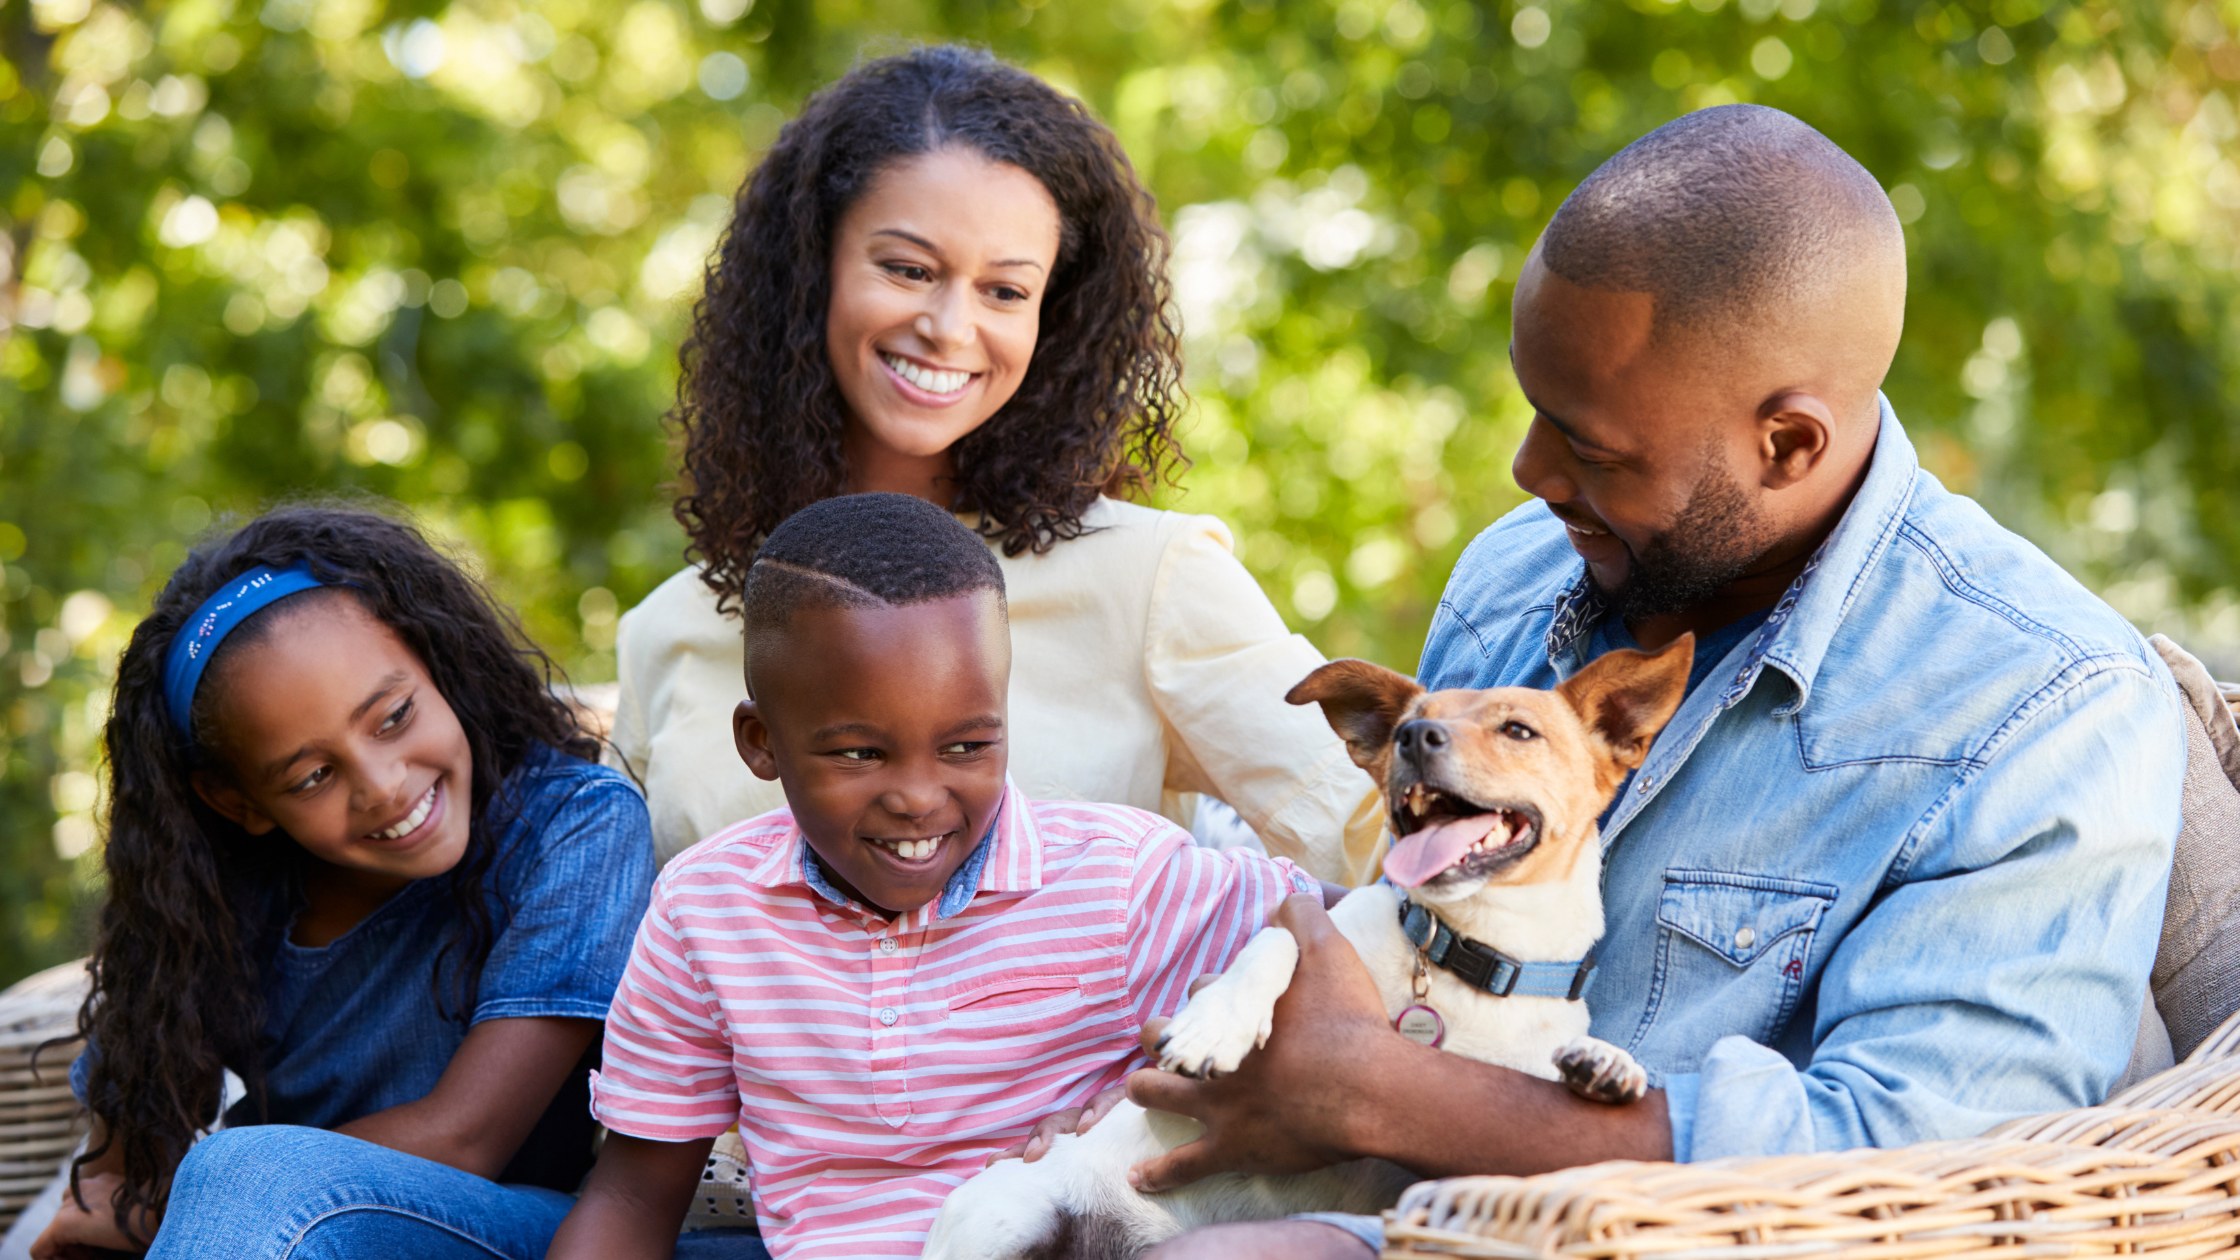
(1071, 1120)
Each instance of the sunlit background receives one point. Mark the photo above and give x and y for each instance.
(261, 248)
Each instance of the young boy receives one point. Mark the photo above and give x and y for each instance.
(902, 971)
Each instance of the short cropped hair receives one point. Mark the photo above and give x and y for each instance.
(1721, 213)
(866, 551)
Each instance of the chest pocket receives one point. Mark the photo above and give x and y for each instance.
(1024, 1003)
(1733, 952)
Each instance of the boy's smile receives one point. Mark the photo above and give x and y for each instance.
(885, 724)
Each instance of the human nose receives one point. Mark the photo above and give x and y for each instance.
(383, 781)
(946, 322)
(1538, 467)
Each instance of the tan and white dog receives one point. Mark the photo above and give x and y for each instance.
(1494, 797)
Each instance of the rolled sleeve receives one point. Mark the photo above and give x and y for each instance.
(2001, 972)
(1218, 661)
(573, 894)
(666, 1072)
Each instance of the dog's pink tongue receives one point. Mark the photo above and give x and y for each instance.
(1420, 856)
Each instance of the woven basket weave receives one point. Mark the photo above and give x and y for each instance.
(40, 1120)
(2155, 1172)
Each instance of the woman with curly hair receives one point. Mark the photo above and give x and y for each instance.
(360, 856)
(946, 280)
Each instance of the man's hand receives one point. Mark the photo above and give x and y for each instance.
(1290, 1106)
(1057, 1123)
(1335, 1082)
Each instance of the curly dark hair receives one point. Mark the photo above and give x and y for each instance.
(175, 996)
(758, 411)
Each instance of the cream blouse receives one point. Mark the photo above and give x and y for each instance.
(1146, 665)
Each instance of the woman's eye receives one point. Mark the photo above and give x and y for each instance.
(397, 717)
(1005, 293)
(909, 271)
(1519, 731)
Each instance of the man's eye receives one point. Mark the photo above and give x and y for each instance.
(397, 718)
(1519, 731)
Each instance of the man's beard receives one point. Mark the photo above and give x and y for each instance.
(1715, 540)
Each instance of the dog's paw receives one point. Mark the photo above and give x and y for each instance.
(1600, 1072)
(1209, 1037)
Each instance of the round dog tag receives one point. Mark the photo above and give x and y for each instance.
(1422, 1025)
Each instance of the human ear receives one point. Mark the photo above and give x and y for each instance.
(1795, 432)
(232, 804)
(752, 736)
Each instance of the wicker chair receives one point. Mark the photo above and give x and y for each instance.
(2154, 1171)
(40, 1120)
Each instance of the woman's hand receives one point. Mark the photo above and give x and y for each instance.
(86, 1224)
(1057, 1123)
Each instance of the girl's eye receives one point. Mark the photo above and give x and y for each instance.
(1519, 731)
(313, 779)
(397, 718)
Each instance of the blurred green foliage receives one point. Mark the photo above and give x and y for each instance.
(260, 248)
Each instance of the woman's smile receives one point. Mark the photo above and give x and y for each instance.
(923, 383)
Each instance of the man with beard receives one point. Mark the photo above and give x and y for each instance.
(1895, 870)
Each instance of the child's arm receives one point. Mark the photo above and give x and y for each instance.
(634, 1201)
(499, 1082)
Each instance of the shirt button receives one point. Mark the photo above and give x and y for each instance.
(887, 1016)
(886, 943)
(1744, 938)
(1647, 781)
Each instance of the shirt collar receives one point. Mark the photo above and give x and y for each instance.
(1803, 623)
(1008, 858)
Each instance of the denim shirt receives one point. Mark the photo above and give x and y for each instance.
(1896, 870)
(354, 1026)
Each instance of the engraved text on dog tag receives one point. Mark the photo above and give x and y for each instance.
(1421, 1025)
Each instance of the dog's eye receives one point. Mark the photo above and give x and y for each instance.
(1519, 731)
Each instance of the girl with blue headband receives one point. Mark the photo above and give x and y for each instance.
(359, 855)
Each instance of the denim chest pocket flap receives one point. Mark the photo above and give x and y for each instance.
(1740, 917)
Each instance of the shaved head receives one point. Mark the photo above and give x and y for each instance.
(1726, 217)
(1702, 332)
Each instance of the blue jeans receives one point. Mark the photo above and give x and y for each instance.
(279, 1192)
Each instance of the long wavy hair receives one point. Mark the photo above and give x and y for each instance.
(193, 897)
(759, 413)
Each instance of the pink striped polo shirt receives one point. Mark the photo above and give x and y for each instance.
(872, 1066)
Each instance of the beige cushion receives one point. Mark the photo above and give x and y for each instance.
(2197, 970)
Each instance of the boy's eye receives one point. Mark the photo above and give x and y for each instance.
(965, 747)
(857, 754)
(397, 717)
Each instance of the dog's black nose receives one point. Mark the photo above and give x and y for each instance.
(1421, 737)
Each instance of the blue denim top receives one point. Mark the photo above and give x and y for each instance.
(1896, 870)
(353, 1026)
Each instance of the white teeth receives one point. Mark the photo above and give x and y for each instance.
(412, 821)
(927, 379)
(912, 850)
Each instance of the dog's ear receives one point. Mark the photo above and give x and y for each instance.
(1625, 697)
(1363, 702)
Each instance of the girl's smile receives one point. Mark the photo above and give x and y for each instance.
(336, 736)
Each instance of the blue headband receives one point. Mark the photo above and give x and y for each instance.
(197, 640)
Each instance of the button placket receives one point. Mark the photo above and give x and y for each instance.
(891, 963)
